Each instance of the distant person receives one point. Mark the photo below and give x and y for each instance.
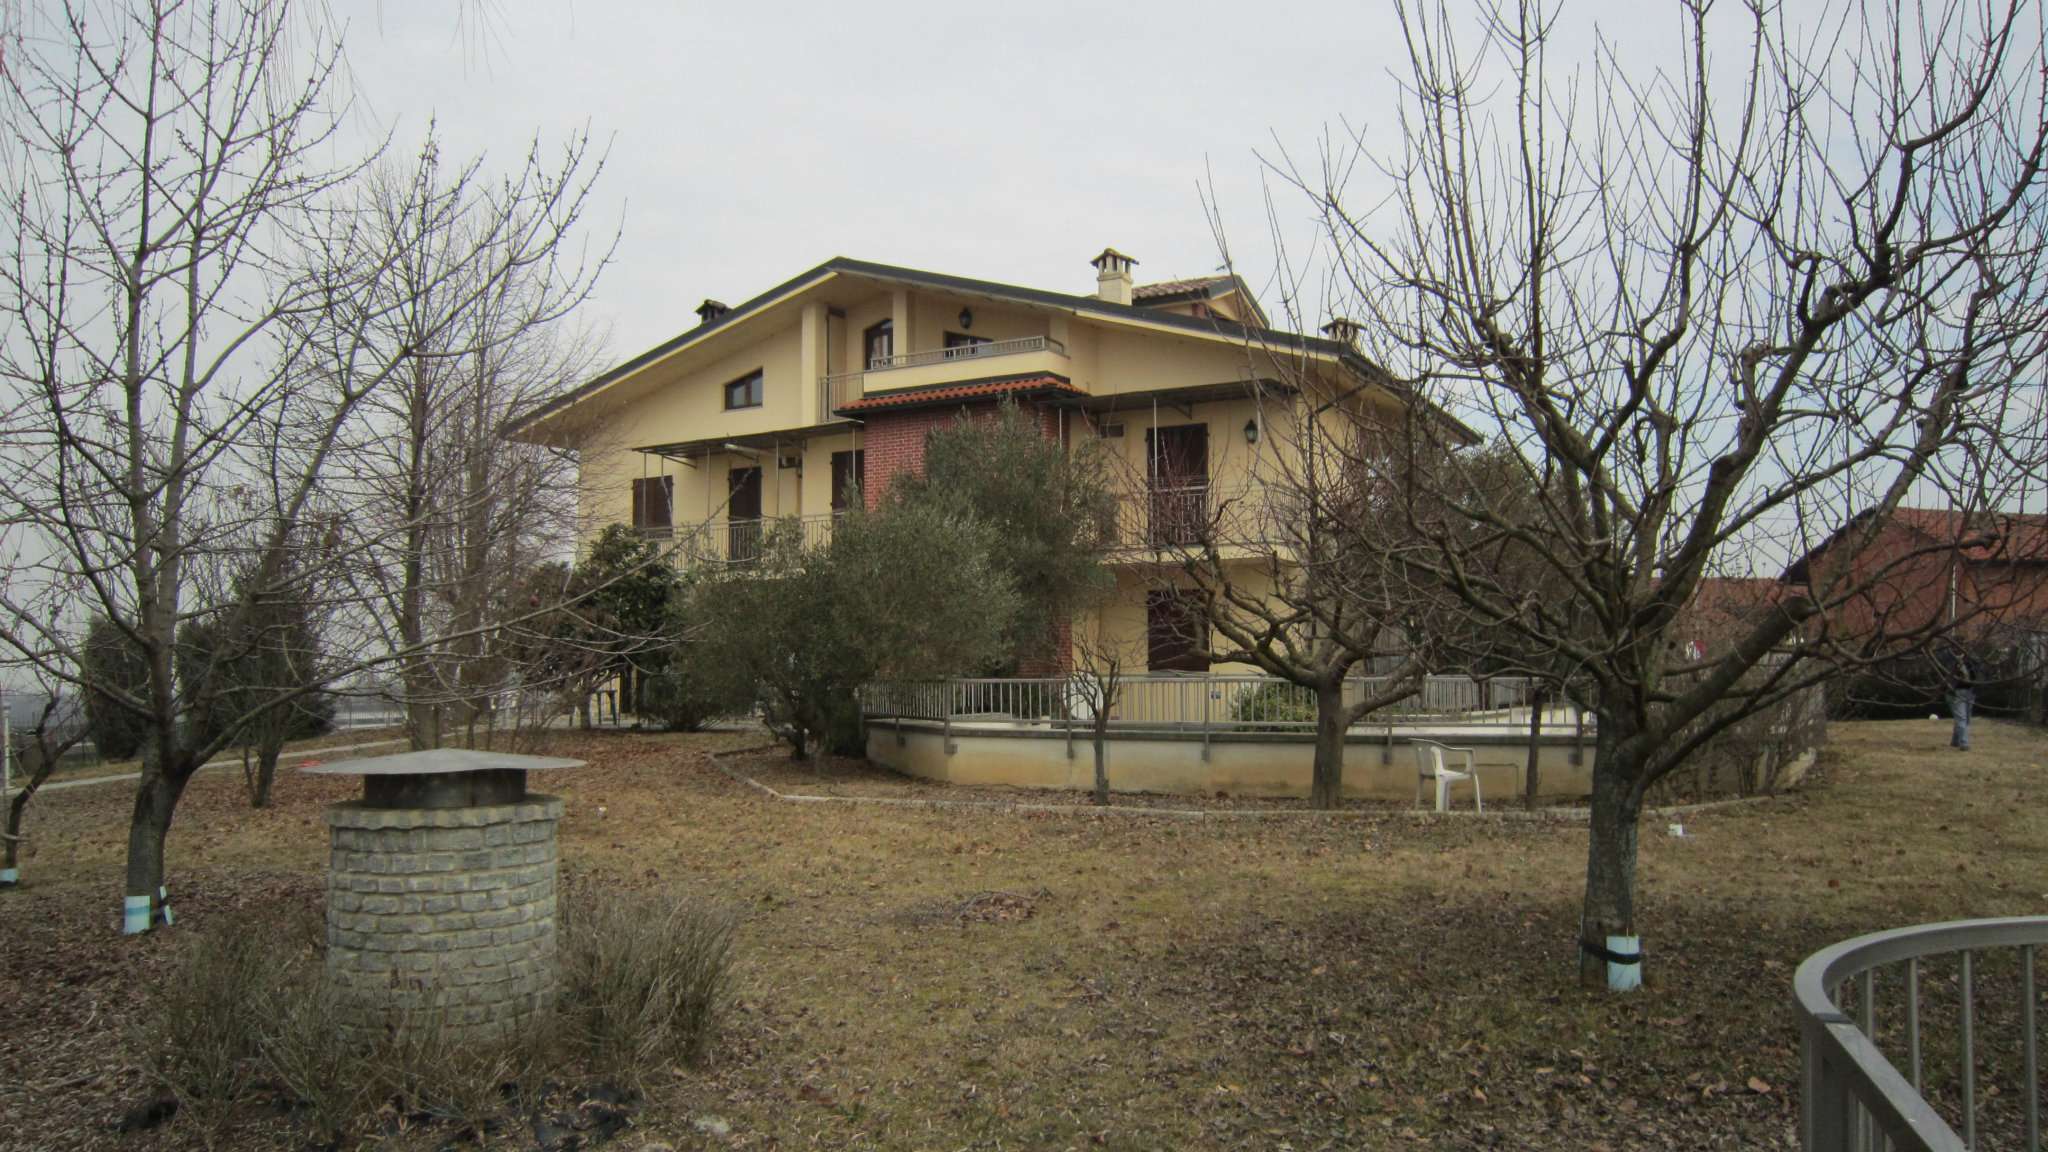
(1960, 670)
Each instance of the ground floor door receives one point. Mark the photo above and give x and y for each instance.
(1176, 631)
(743, 514)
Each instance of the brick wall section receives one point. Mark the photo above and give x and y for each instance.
(447, 912)
(894, 441)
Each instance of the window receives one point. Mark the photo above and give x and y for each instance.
(961, 344)
(652, 498)
(1175, 631)
(848, 469)
(879, 343)
(744, 392)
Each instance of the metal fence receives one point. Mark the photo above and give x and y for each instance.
(841, 388)
(1967, 987)
(738, 542)
(1191, 515)
(1204, 702)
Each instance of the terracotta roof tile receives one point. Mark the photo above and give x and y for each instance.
(1176, 287)
(1983, 536)
(979, 390)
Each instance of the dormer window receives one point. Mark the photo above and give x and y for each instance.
(744, 392)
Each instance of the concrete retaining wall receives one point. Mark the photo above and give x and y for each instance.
(1241, 764)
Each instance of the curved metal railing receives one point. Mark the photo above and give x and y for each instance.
(1854, 1098)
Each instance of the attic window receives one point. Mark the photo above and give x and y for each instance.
(744, 392)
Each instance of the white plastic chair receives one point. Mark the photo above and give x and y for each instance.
(1429, 765)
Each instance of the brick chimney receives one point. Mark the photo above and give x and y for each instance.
(1113, 276)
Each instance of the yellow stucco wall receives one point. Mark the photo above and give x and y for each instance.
(680, 398)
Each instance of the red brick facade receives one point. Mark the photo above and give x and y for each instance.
(894, 441)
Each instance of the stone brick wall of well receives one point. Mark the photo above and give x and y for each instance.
(442, 913)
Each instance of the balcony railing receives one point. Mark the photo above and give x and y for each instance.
(842, 388)
(1152, 702)
(739, 542)
(1978, 977)
(1188, 516)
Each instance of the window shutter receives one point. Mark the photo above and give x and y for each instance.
(639, 504)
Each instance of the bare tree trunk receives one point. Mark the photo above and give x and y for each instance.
(266, 774)
(1538, 698)
(17, 810)
(1102, 755)
(1609, 908)
(1326, 783)
(156, 798)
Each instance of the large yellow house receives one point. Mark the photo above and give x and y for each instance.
(826, 385)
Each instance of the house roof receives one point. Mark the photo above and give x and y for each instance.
(1196, 288)
(1978, 537)
(1084, 305)
(1038, 382)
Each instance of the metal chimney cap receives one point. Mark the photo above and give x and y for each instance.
(441, 761)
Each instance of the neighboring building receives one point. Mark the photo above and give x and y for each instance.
(1934, 576)
(828, 384)
(1930, 569)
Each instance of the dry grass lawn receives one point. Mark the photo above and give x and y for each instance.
(920, 978)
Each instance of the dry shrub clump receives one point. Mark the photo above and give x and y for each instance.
(246, 1016)
(644, 980)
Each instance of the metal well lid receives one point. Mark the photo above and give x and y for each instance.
(442, 777)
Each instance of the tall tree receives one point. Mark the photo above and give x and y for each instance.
(454, 513)
(195, 301)
(1720, 314)
(1297, 576)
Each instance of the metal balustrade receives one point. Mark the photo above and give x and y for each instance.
(718, 543)
(1855, 1100)
(1164, 702)
(841, 388)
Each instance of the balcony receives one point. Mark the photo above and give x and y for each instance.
(738, 543)
(942, 366)
(1187, 518)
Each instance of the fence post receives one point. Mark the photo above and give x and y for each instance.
(1205, 721)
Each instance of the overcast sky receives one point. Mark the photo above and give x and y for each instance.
(751, 141)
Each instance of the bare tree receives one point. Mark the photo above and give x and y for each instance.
(1295, 576)
(453, 514)
(58, 728)
(1720, 315)
(194, 302)
(1101, 666)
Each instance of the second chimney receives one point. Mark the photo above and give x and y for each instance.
(1113, 276)
(711, 310)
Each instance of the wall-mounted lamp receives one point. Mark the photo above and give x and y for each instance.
(1251, 431)
(966, 319)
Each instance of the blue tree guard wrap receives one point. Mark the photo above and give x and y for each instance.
(134, 915)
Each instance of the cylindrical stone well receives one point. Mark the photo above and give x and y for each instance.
(442, 914)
